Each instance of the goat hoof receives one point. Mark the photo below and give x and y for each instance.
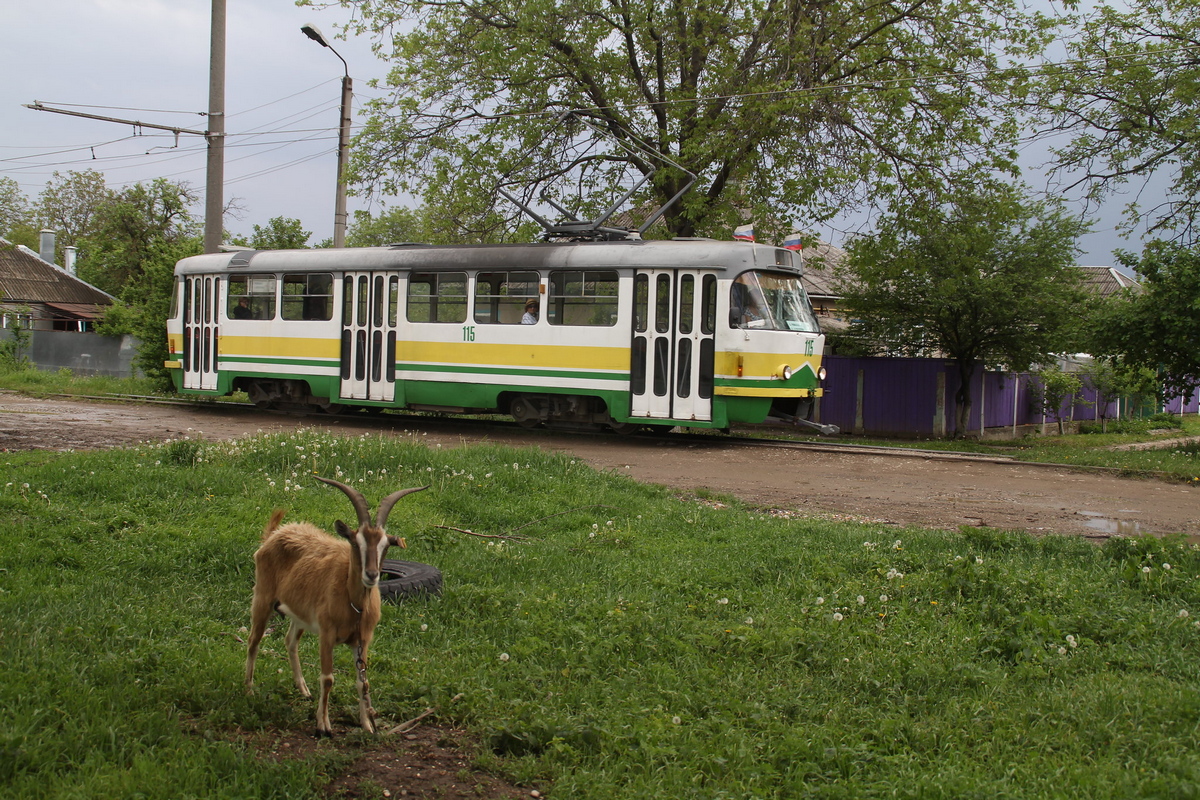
(324, 734)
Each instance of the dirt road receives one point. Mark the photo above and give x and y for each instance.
(899, 490)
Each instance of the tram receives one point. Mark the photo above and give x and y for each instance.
(621, 334)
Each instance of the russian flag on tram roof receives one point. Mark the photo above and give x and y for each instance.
(792, 242)
(744, 233)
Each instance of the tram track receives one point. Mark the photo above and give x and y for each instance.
(738, 439)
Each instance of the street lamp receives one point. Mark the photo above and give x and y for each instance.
(339, 211)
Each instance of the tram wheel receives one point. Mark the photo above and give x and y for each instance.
(401, 579)
(524, 413)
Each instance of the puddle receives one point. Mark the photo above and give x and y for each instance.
(1113, 527)
(1120, 527)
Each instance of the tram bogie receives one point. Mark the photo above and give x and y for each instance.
(619, 335)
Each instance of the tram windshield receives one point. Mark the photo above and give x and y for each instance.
(770, 301)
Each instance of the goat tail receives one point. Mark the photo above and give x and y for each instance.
(273, 523)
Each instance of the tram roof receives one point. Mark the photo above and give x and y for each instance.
(661, 254)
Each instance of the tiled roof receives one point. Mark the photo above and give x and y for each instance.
(25, 278)
(1106, 281)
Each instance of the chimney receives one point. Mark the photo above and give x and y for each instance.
(46, 247)
(69, 254)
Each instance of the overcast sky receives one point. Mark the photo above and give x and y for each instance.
(140, 59)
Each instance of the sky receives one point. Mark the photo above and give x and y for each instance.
(148, 60)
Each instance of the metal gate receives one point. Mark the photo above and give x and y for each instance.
(671, 371)
(369, 303)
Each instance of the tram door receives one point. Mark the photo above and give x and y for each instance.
(201, 304)
(369, 302)
(672, 362)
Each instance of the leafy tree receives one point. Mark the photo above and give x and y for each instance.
(144, 313)
(280, 233)
(137, 236)
(69, 205)
(1112, 379)
(1056, 388)
(1129, 93)
(782, 109)
(980, 274)
(127, 227)
(15, 213)
(1159, 328)
(427, 225)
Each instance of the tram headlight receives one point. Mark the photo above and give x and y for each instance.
(785, 372)
(821, 374)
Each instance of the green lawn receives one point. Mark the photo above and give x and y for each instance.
(640, 645)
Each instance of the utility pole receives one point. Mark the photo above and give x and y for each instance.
(214, 191)
(339, 208)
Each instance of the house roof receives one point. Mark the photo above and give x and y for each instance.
(820, 260)
(1107, 281)
(25, 278)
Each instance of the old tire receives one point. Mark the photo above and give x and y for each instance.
(401, 579)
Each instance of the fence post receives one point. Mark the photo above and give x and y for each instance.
(858, 404)
(939, 412)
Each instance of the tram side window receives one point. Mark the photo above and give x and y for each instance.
(437, 297)
(251, 297)
(583, 298)
(500, 297)
(308, 296)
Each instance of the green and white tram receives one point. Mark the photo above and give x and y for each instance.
(624, 334)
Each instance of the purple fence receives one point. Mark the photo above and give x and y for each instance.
(914, 397)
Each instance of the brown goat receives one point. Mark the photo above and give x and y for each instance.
(327, 586)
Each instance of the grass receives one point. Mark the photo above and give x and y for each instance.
(640, 645)
(63, 381)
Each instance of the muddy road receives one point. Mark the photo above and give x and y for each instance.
(899, 490)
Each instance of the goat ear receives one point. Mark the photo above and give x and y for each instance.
(395, 541)
(343, 530)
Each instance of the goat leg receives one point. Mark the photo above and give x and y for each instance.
(293, 650)
(366, 714)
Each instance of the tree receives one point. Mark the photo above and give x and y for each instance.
(1129, 94)
(280, 233)
(980, 274)
(782, 109)
(69, 204)
(1056, 388)
(1159, 328)
(426, 225)
(14, 208)
(137, 236)
(127, 226)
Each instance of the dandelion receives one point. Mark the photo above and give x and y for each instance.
(861, 600)
(894, 573)
(883, 598)
(724, 601)
(978, 559)
(820, 601)
(1071, 641)
(424, 626)
(676, 720)
(1145, 569)
(1183, 613)
(837, 617)
(896, 545)
(749, 620)
(504, 656)
(1062, 651)
(1166, 566)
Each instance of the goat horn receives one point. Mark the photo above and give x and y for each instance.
(385, 505)
(360, 502)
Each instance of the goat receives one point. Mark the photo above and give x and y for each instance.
(325, 586)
